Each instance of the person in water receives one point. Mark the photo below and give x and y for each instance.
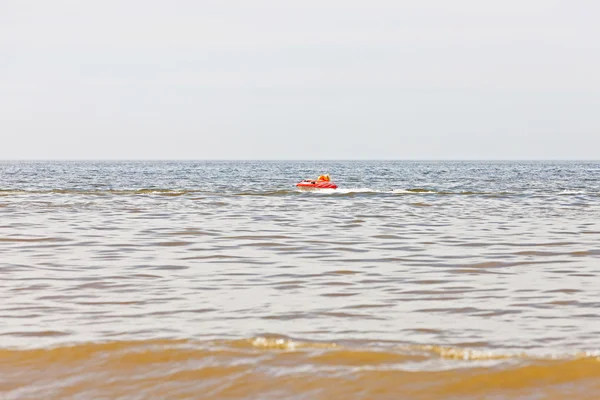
(325, 178)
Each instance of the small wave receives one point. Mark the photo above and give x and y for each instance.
(446, 192)
(420, 190)
(573, 192)
(268, 193)
(31, 239)
(84, 350)
(100, 192)
(282, 192)
(279, 367)
(350, 191)
(416, 191)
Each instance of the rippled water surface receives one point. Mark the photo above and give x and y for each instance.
(221, 280)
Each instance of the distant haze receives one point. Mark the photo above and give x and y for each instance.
(274, 79)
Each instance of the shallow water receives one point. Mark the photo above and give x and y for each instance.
(221, 280)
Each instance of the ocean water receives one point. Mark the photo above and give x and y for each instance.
(414, 280)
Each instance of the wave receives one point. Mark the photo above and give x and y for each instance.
(100, 192)
(447, 192)
(279, 367)
(353, 191)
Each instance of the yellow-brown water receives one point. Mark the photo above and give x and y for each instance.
(279, 368)
(220, 280)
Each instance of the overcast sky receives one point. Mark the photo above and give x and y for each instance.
(306, 79)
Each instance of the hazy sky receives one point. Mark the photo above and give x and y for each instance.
(306, 79)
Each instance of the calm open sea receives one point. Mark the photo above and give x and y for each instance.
(417, 280)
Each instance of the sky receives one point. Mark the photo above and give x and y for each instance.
(299, 79)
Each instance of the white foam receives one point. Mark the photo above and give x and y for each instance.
(349, 191)
(359, 190)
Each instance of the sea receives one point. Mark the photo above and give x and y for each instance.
(222, 280)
